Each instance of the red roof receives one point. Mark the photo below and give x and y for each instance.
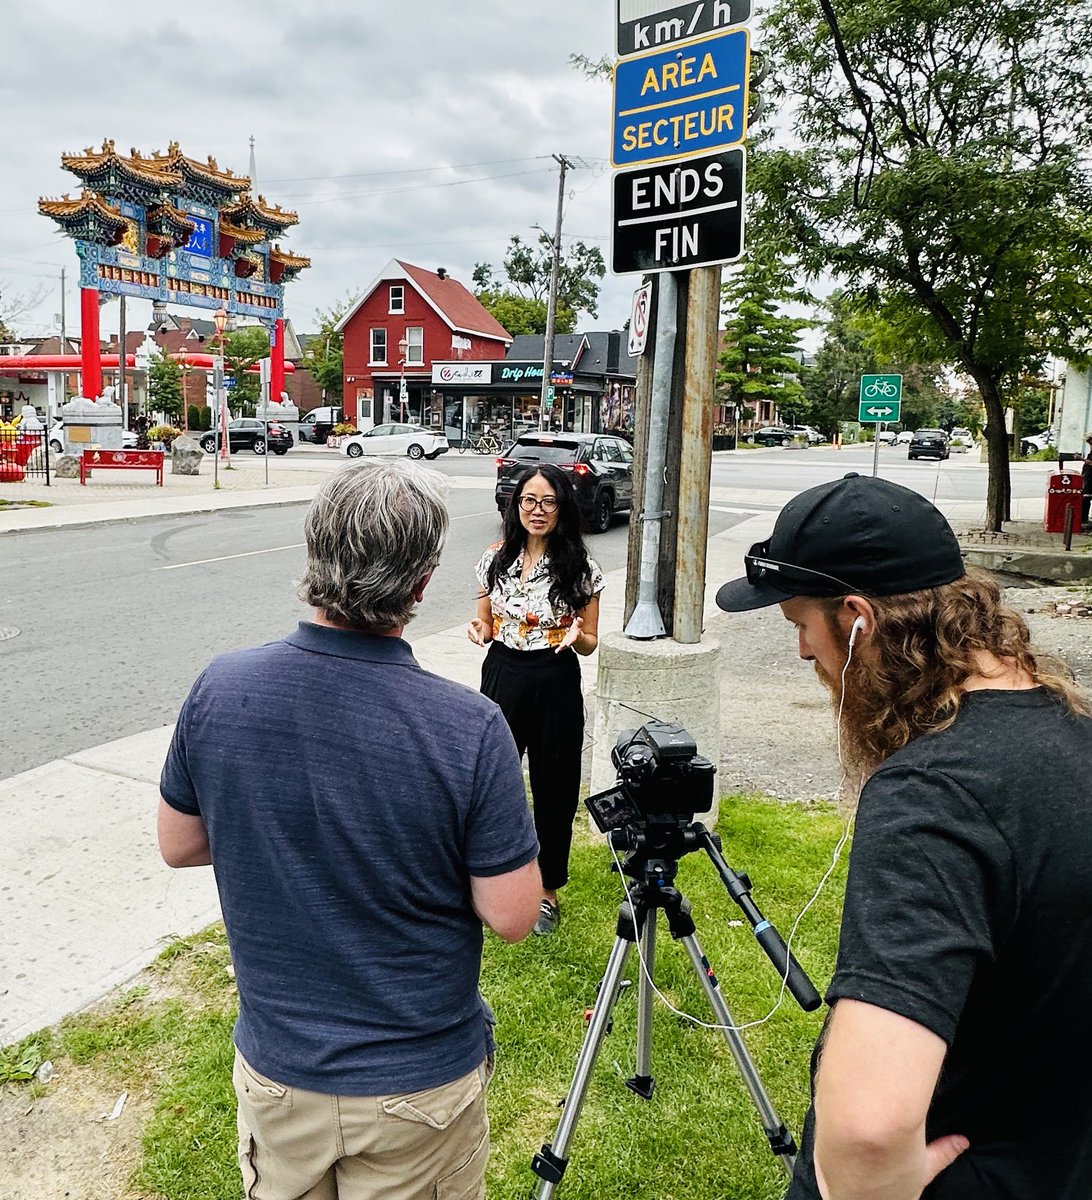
(461, 307)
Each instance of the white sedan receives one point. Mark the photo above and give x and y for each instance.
(415, 441)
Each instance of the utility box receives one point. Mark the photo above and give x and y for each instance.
(1064, 489)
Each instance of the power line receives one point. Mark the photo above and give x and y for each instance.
(417, 187)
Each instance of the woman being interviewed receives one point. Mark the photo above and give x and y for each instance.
(540, 603)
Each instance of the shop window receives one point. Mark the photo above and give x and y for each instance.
(415, 345)
(397, 299)
(378, 356)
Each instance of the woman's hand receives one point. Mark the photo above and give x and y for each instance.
(574, 631)
(479, 632)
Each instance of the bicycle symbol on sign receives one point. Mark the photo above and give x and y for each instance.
(882, 387)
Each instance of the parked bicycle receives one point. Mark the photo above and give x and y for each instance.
(486, 442)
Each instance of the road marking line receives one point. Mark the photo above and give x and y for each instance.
(202, 562)
(746, 512)
(226, 557)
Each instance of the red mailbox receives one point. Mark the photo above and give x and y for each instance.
(1064, 490)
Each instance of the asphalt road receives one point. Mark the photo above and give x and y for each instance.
(116, 621)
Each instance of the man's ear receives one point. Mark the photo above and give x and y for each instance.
(856, 610)
(419, 590)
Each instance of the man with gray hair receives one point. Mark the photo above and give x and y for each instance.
(356, 868)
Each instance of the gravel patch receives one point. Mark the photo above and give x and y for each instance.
(776, 720)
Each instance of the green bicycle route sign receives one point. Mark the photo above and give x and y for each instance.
(880, 399)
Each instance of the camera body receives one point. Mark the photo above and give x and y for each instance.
(660, 776)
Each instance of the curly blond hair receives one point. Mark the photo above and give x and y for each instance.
(926, 645)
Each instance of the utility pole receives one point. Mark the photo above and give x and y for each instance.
(123, 396)
(551, 305)
(64, 333)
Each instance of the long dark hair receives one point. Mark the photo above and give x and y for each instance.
(570, 571)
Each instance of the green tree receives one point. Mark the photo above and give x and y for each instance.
(940, 169)
(165, 385)
(324, 356)
(761, 358)
(242, 349)
(857, 342)
(526, 278)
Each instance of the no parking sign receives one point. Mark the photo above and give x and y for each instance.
(638, 319)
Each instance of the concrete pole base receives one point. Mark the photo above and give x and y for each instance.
(667, 680)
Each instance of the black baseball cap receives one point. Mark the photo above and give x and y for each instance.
(857, 534)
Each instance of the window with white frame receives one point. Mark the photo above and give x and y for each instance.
(378, 356)
(397, 299)
(415, 345)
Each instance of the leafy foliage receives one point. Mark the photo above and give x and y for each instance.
(165, 384)
(942, 174)
(523, 292)
(242, 349)
(324, 356)
(761, 359)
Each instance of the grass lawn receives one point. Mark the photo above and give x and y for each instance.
(698, 1139)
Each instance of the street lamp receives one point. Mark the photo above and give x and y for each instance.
(219, 319)
(403, 395)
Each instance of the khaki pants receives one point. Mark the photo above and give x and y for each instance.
(300, 1145)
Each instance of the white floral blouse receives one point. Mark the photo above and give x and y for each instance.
(523, 617)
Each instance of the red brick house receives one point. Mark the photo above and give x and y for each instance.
(405, 320)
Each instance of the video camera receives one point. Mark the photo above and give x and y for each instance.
(660, 775)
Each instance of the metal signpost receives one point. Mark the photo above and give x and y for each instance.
(688, 100)
(679, 216)
(880, 403)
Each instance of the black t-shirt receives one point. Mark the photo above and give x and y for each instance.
(969, 910)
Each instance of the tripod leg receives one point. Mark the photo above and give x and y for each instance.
(642, 1082)
(780, 1139)
(550, 1162)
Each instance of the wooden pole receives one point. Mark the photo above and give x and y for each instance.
(696, 457)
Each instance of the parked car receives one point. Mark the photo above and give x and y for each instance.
(805, 433)
(904, 438)
(1035, 442)
(56, 438)
(317, 425)
(887, 437)
(248, 433)
(415, 441)
(960, 440)
(928, 443)
(601, 466)
(771, 435)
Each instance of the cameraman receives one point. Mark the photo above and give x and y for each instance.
(363, 818)
(960, 1001)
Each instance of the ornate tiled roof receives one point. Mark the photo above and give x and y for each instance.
(143, 172)
(88, 213)
(245, 237)
(250, 213)
(209, 172)
(165, 218)
(289, 260)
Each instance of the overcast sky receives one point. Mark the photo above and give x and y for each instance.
(421, 130)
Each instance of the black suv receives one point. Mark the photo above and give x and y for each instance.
(601, 466)
(928, 443)
(247, 433)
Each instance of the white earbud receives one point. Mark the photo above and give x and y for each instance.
(855, 629)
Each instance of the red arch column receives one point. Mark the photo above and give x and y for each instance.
(90, 351)
(276, 362)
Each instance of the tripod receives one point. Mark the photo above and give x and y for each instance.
(653, 863)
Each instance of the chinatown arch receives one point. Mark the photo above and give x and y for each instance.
(170, 229)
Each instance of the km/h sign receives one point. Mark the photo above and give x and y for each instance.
(649, 24)
(679, 215)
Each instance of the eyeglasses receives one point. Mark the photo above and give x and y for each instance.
(548, 504)
(759, 566)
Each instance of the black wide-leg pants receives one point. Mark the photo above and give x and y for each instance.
(539, 693)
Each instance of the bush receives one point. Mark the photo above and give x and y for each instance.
(344, 429)
(163, 433)
(193, 417)
(206, 419)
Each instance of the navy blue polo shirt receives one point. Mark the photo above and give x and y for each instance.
(349, 796)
